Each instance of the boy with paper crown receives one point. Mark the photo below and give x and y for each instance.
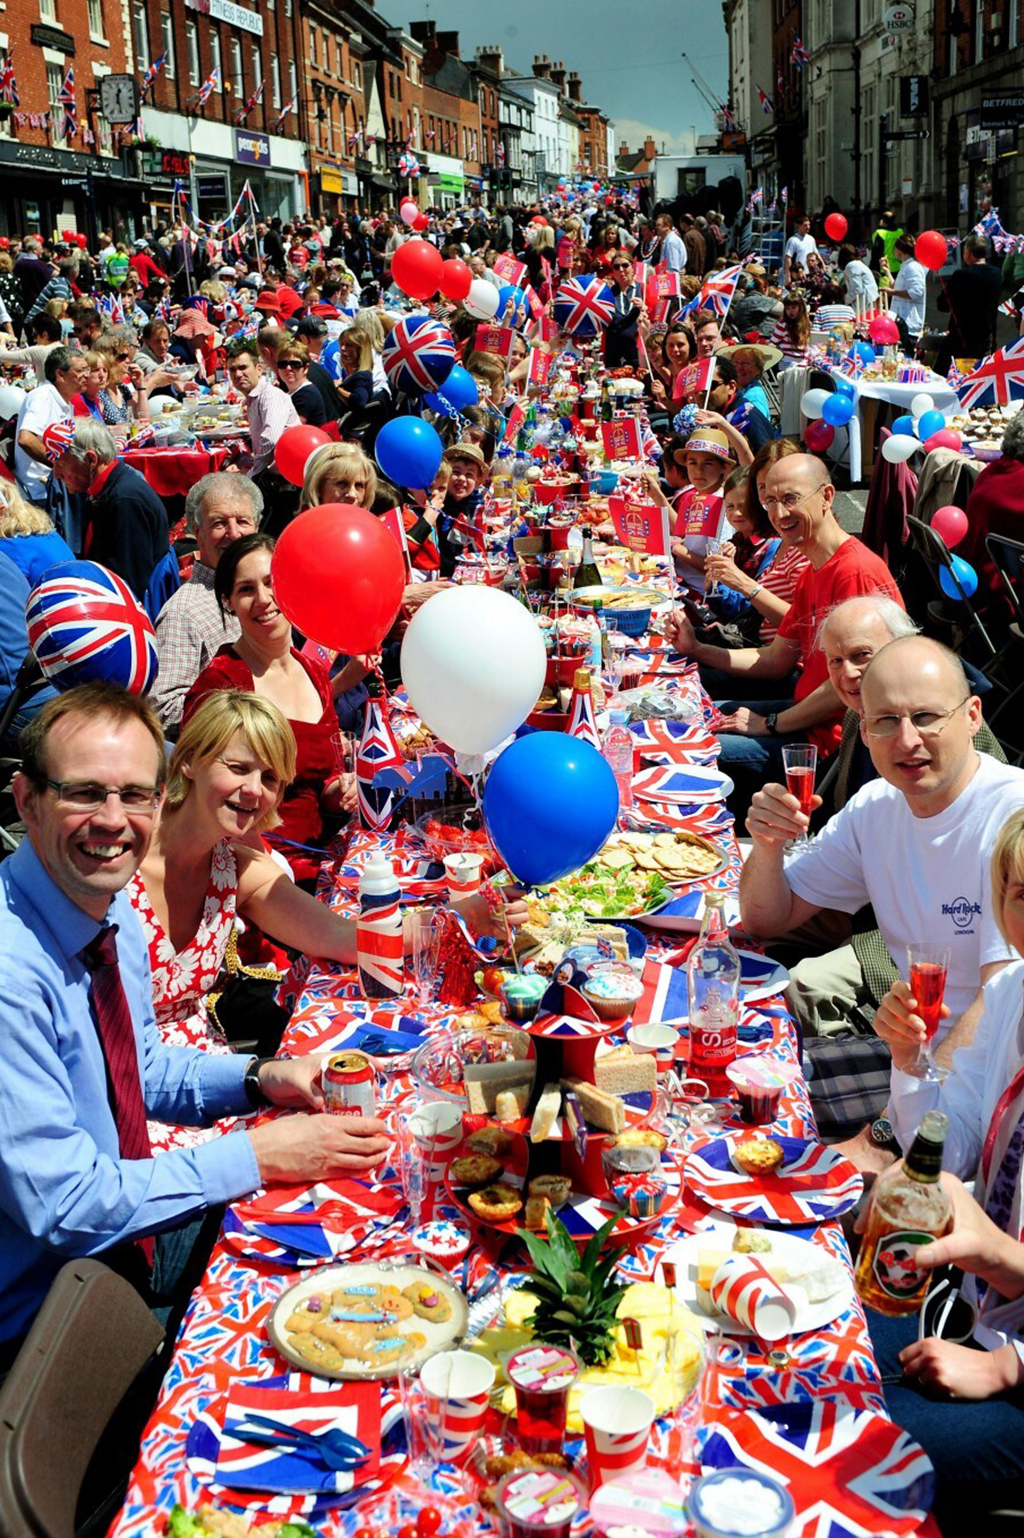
(697, 516)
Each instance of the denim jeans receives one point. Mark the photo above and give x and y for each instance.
(759, 757)
(976, 1446)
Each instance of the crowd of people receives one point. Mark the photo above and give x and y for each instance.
(120, 910)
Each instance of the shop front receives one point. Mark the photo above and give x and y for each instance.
(446, 186)
(213, 161)
(333, 190)
(43, 190)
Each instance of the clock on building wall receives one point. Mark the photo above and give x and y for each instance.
(119, 98)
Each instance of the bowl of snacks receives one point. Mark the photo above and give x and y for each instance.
(487, 1071)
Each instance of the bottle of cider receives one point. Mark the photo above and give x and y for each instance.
(908, 1208)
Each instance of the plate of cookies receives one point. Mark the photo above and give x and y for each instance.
(784, 1180)
(368, 1320)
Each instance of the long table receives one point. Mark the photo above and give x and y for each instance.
(223, 1337)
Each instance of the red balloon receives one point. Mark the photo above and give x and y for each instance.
(945, 438)
(456, 279)
(836, 226)
(883, 329)
(950, 523)
(416, 268)
(819, 435)
(407, 199)
(930, 249)
(339, 576)
(293, 449)
(420, 223)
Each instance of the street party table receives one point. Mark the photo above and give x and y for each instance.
(172, 472)
(869, 391)
(224, 1349)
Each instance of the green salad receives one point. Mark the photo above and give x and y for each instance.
(597, 892)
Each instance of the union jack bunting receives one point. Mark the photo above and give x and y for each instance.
(278, 122)
(206, 90)
(8, 84)
(584, 306)
(254, 100)
(149, 78)
(66, 99)
(997, 379)
(767, 106)
(799, 54)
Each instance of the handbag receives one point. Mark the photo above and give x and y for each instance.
(245, 1009)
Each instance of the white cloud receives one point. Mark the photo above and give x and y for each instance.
(635, 132)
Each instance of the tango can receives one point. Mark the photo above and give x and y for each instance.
(348, 1080)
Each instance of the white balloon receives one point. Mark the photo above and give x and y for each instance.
(473, 666)
(812, 401)
(11, 399)
(920, 404)
(899, 448)
(482, 300)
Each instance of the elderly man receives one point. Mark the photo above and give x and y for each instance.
(83, 1066)
(799, 500)
(126, 522)
(916, 842)
(66, 373)
(191, 627)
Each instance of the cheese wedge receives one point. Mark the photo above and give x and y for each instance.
(708, 1262)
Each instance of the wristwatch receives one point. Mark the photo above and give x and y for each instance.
(771, 723)
(882, 1134)
(251, 1083)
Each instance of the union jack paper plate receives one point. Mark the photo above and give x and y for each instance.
(813, 1183)
(685, 913)
(760, 977)
(674, 742)
(692, 785)
(282, 1484)
(851, 1472)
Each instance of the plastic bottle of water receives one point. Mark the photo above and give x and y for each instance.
(501, 480)
(617, 747)
(713, 986)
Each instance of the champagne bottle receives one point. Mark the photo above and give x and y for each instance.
(908, 1208)
(587, 573)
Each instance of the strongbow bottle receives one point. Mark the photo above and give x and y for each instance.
(713, 986)
(379, 931)
(908, 1208)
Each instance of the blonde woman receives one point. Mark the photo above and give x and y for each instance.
(370, 324)
(28, 536)
(121, 400)
(356, 384)
(339, 472)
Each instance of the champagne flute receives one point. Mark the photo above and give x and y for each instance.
(800, 762)
(929, 967)
(425, 945)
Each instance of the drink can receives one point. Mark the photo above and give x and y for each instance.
(348, 1079)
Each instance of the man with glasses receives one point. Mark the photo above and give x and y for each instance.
(620, 349)
(83, 1066)
(87, 325)
(916, 843)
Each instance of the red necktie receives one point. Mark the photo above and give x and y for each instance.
(117, 1038)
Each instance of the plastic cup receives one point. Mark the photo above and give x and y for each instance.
(437, 1129)
(457, 1385)
(534, 1501)
(661, 1040)
(542, 1377)
(617, 1427)
(464, 873)
(758, 1085)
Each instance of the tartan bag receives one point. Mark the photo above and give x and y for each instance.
(848, 1075)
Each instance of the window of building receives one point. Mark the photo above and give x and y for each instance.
(140, 33)
(357, 76)
(1013, 36)
(167, 34)
(48, 10)
(96, 19)
(287, 7)
(257, 67)
(314, 43)
(292, 85)
(275, 80)
(192, 39)
(54, 81)
(979, 34)
(237, 78)
(216, 59)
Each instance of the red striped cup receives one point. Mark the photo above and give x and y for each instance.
(617, 1426)
(457, 1385)
(464, 873)
(748, 1293)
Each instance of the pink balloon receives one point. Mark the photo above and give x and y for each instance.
(950, 523)
(408, 213)
(945, 438)
(883, 329)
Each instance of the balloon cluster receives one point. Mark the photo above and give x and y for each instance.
(923, 426)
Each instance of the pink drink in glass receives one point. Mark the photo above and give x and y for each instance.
(542, 1376)
(800, 783)
(928, 984)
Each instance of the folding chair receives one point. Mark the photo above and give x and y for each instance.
(89, 1343)
(935, 554)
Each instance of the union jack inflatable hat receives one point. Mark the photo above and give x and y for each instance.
(85, 625)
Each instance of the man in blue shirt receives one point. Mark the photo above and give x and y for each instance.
(90, 786)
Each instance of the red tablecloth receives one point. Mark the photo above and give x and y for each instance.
(172, 472)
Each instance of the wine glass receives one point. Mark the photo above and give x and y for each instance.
(426, 940)
(800, 762)
(929, 967)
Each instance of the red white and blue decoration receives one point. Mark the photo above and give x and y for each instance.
(672, 742)
(813, 1183)
(418, 355)
(584, 306)
(850, 1472)
(86, 625)
(581, 722)
(693, 785)
(378, 750)
(997, 379)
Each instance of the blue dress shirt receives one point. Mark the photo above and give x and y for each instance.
(65, 1191)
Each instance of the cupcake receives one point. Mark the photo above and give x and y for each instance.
(612, 994)
(445, 1239)
(521, 996)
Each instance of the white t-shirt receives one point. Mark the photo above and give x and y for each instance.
(926, 877)
(860, 281)
(799, 247)
(910, 277)
(43, 405)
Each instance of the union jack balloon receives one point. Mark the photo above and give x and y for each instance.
(85, 625)
(584, 306)
(418, 355)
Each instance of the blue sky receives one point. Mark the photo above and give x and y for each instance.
(628, 54)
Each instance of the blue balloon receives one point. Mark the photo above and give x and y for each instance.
(549, 804)
(966, 576)
(459, 390)
(863, 350)
(904, 426)
(837, 410)
(408, 451)
(929, 422)
(844, 386)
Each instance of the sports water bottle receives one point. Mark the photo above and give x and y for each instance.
(379, 930)
(617, 748)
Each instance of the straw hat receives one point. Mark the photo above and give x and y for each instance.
(767, 355)
(708, 440)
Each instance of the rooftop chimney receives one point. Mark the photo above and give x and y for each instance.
(491, 58)
(542, 66)
(558, 74)
(574, 86)
(650, 149)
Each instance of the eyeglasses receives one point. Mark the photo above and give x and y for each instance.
(87, 797)
(624, 266)
(290, 363)
(789, 501)
(927, 723)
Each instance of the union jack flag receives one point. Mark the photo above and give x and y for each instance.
(149, 78)
(66, 99)
(956, 375)
(8, 84)
(85, 623)
(727, 117)
(278, 122)
(254, 100)
(500, 153)
(206, 90)
(814, 1183)
(756, 199)
(997, 379)
(584, 306)
(767, 106)
(717, 291)
(378, 750)
(799, 54)
(841, 1490)
(784, 196)
(852, 366)
(419, 354)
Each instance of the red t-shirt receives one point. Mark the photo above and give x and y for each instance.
(851, 572)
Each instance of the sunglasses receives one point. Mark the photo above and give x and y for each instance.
(120, 357)
(291, 363)
(945, 1312)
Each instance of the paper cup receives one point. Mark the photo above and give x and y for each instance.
(617, 1426)
(744, 1289)
(464, 874)
(661, 1040)
(437, 1130)
(457, 1385)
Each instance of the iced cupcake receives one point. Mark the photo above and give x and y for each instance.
(613, 994)
(521, 996)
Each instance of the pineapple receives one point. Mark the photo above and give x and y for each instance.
(576, 1300)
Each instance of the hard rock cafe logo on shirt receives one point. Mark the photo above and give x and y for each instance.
(961, 911)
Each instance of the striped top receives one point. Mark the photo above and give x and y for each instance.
(789, 349)
(781, 578)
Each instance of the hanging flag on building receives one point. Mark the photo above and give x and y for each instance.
(278, 122)
(206, 90)
(8, 84)
(66, 99)
(254, 100)
(799, 54)
(500, 153)
(767, 106)
(149, 78)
